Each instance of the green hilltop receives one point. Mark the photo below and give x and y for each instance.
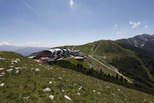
(113, 58)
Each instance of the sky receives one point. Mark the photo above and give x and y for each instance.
(49, 23)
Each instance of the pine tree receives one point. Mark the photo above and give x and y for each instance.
(117, 76)
(121, 78)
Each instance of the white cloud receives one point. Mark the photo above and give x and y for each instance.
(30, 7)
(146, 26)
(27, 44)
(134, 24)
(71, 3)
(4, 43)
(8, 43)
(119, 33)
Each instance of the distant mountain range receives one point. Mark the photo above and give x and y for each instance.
(144, 42)
(25, 51)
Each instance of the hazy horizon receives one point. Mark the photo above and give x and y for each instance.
(46, 46)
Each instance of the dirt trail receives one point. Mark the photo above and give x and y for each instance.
(73, 48)
(114, 69)
(92, 51)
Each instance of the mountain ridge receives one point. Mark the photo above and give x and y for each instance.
(144, 41)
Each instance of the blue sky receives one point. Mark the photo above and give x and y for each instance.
(69, 22)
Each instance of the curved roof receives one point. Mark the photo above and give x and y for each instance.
(51, 50)
(55, 50)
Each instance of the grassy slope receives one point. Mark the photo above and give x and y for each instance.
(89, 49)
(125, 60)
(30, 83)
(146, 56)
